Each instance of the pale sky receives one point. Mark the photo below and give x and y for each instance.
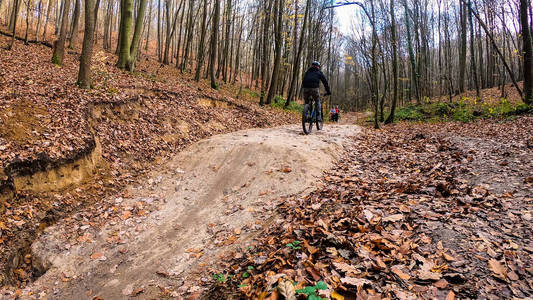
(345, 15)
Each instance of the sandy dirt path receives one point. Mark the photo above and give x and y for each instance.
(208, 200)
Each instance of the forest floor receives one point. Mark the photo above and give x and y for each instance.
(410, 211)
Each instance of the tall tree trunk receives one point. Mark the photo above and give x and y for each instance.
(14, 14)
(39, 15)
(135, 43)
(84, 74)
(496, 48)
(527, 52)
(149, 26)
(48, 10)
(473, 54)
(412, 58)
(227, 42)
(16, 5)
(280, 4)
(124, 56)
(201, 50)
(374, 68)
(462, 49)
(107, 26)
(188, 41)
(296, 63)
(59, 16)
(59, 45)
(75, 21)
(238, 56)
(214, 43)
(390, 119)
(159, 42)
(266, 47)
(28, 8)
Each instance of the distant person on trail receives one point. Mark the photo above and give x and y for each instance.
(311, 83)
(334, 114)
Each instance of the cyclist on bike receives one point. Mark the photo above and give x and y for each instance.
(311, 83)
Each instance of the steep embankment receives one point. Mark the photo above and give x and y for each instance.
(62, 147)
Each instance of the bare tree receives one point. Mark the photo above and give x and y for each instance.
(84, 74)
(59, 44)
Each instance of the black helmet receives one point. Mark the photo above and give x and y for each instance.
(315, 64)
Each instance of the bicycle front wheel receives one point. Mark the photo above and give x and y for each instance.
(307, 121)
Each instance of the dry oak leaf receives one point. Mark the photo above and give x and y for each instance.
(346, 268)
(497, 268)
(286, 289)
(396, 270)
(393, 218)
(441, 284)
(358, 282)
(450, 296)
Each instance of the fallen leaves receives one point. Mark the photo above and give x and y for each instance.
(409, 215)
(287, 290)
(497, 269)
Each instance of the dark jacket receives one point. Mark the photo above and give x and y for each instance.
(312, 79)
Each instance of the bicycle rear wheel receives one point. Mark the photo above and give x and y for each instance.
(320, 118)
(307, 121)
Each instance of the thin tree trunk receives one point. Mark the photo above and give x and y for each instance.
(473, 54)
(266, 56)
(84, 74)
(527, 52)
(188, 41)
(201, 50)
(149, 26)
(412, 58)
(75, 21)
(280, 4)
(28, 8)
(487, 32)
(295, 69)
(39, 15)
(214, 43)
(50, 2)
(390, 119)
(59, 45)
(462, 49)
(135, 43)
(15, 18)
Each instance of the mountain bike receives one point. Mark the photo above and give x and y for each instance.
(311, 115)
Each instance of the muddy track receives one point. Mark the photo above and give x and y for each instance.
(207, 200)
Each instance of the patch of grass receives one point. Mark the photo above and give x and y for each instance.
(410, 113)
(279, 102)
(464, 110)
(251, 93)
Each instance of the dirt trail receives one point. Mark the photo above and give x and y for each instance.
(209, 198)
